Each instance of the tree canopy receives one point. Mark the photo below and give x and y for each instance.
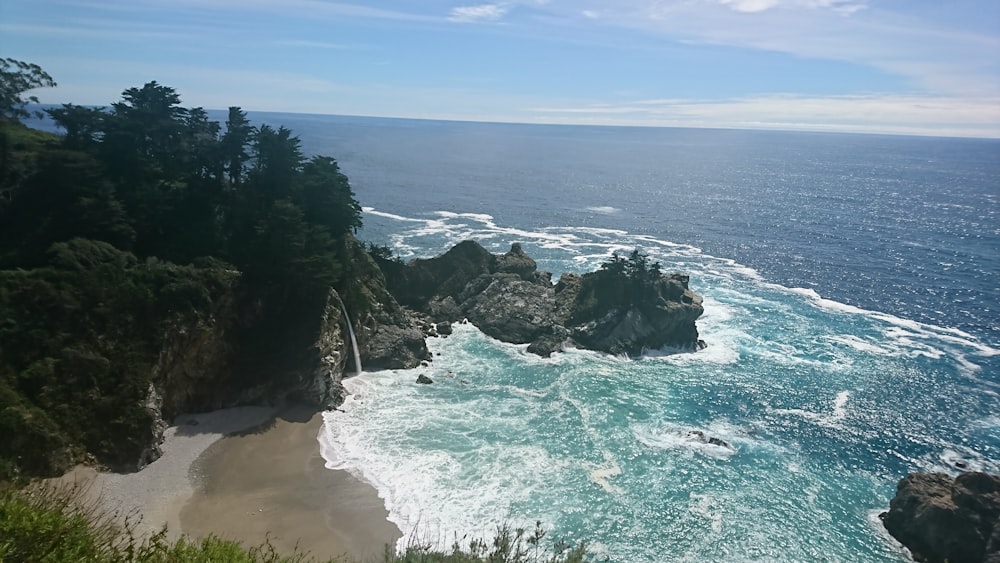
(143, 215)
(16, 78)
(158, 179)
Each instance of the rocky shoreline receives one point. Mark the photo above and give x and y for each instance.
(626, 307)
(943, 518)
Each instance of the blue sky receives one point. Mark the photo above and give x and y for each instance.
(888, 66)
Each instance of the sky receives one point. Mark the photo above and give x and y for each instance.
(926, 67)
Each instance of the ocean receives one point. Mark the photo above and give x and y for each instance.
(852, 315)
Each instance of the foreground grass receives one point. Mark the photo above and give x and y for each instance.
(509, 545)
(55, 524)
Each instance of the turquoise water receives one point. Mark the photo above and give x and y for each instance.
(825, 406)
(852, 312)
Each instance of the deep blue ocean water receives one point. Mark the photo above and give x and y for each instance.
(852, 312)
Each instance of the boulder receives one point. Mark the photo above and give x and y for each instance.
(444, 310)
(941, 518)
(699, 436)
(552, 341)
(515, 261)
(395, 347)
(511, 309)
(424, 280)
(424, 380)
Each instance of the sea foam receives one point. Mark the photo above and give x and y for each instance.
(823, 406)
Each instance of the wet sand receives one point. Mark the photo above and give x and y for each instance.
(271, 482)
(151, 498)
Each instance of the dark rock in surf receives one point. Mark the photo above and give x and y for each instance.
(509, 299)
(515, 261)
(941, 518)
(435, 279)
(510, 308)
(699, 436)
(547, 344)
(424, 380)
(395, 347)
(617, 314)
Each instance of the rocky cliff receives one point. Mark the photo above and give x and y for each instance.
(622, 309)
(208, 342)
(943, 518)
(241, 351)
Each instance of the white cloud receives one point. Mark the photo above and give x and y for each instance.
(479, 13)
(884, 113)
(933, 57)
(752, 6)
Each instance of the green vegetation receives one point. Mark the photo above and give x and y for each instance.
(80, 337)
(509, 545)
(618, 284)
(16, 78)
(48, 524)
(143, 220)
(144, 217)
(51, 524)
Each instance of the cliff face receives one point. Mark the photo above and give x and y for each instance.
(388, 335)
(200, 367)
(197, 369)
(941, 518)
(508, 298)
(117, 347)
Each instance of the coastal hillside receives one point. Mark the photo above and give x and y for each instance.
(154, 262)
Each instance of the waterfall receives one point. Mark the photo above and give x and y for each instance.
(354, 341)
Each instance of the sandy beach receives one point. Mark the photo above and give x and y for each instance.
(247, 474)
(272, 482)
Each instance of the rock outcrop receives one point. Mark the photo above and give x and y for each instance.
(621, 314)
(941, 518)
(615, 310)
(388, 334)
(210, 361)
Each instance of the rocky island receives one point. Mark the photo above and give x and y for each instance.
(625, 307)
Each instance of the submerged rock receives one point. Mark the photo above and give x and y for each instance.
(699, 436)
(940, 518)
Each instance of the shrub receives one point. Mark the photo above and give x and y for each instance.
(43, 523)
(508, 545)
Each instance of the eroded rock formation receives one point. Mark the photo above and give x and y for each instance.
(941, 518)
(508, 298)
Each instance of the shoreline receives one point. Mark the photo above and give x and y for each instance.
(272, 483)
(248, 474)
(151, 498)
